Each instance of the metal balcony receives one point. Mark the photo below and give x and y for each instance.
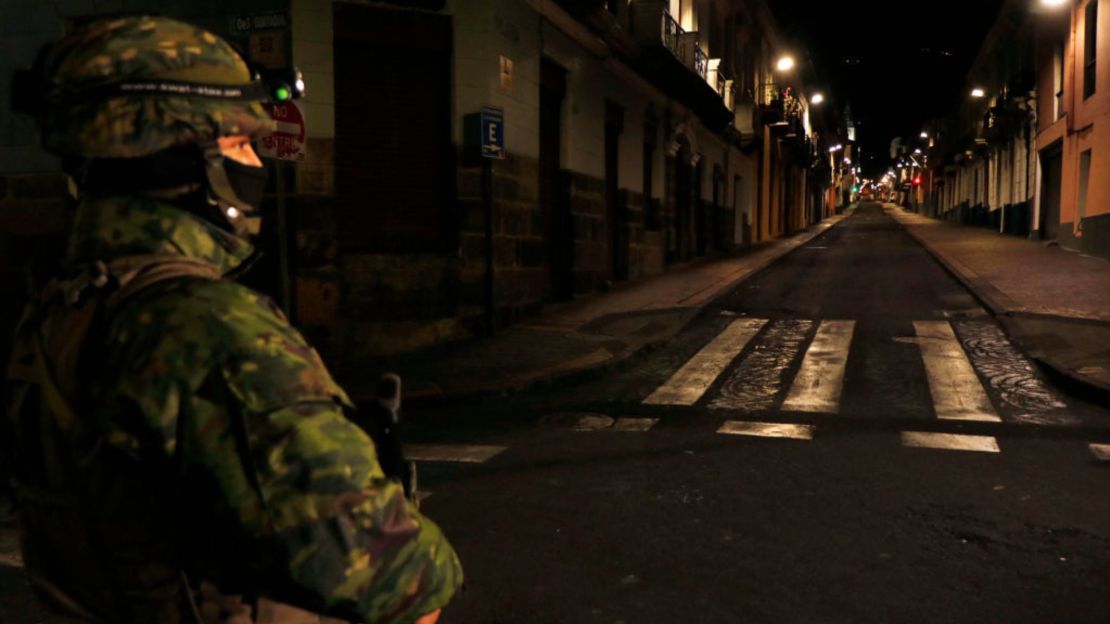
(675, 60)
(672, 34)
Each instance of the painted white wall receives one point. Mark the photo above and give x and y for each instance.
(313, 53)
(486, 30)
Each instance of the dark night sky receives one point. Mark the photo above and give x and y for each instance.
(896, 64)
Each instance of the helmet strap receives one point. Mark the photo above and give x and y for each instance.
(236, 213)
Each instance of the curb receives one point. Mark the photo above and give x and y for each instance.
(556, 376)
(1007, 312)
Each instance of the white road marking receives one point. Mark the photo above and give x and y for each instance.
(460, 453)
(767, 430)
(819, 381)
(956, 390)
(634, 424)
(691, 381)
(756, 383)
(950, 441)
(1100, 451)
(599, 422)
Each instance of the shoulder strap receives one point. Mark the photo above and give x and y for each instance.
(134, 274)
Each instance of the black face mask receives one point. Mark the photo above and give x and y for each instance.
(248, 183)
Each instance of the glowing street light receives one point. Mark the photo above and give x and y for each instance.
(785, 63)
(817, 98)
(1053, 3)
(924, 135)
(978, 92)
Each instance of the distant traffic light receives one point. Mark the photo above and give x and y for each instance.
(917, 181)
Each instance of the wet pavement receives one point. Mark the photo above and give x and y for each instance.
(909, 500)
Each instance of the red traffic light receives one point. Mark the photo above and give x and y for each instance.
(917, 181)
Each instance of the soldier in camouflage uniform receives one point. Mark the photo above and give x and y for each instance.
(183, 453)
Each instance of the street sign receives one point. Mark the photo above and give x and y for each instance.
(493, 132)
(287, 142)
(269, 20)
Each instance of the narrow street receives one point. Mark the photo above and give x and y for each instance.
(686, 311)
(847, 437)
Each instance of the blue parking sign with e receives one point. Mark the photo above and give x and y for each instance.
(493, 133)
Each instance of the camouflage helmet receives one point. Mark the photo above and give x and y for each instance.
(91, 108)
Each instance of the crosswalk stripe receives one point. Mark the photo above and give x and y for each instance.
(691, 381)
(1100, 451)
(12, 560)
(456, 453)
(956, 390)
(819, 381)
(634, 424)
(950, 441)
(767, 430)
(756, 382)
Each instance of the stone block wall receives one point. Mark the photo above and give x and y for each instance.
(645, 247)
(591, 244)
(519, 251)
(520, 254)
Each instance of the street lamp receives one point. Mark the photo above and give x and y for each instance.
(924, 134)
(817, 99)
(978, 92)
(785, 63)
(1053, 3)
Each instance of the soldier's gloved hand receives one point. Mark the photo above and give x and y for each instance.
(430, 618)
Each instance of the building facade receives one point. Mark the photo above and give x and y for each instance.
(630, 137)
(980, 163)
(1073, 131)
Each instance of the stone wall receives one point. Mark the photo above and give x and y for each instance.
(520, 256)
(591, 245)
(645, 248)
(354, 302)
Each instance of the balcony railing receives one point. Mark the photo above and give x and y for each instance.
(721, 81)
(672, 34)
(701, 61)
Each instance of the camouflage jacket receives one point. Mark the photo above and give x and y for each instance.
(241, 435)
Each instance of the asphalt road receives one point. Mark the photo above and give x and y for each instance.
(644, 497)
(608, 502)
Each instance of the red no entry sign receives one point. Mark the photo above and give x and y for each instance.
(287, 141)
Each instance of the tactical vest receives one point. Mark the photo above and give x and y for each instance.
(90, 541)
(93, 543)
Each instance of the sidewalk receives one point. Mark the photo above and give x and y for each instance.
(578, 337)
(1054, 303)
